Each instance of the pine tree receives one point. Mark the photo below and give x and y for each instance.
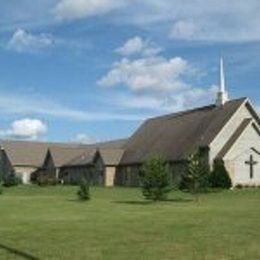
(219, 177)
(197, 174)
(11, 180)
(83, 192)
(155, 178)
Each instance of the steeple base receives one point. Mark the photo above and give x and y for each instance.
(222, 98)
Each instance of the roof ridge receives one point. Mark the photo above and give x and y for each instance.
(71, 148)
(192, 110)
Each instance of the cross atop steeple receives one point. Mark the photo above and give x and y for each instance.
(222, 95)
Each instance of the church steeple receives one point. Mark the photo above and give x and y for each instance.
(222, 95)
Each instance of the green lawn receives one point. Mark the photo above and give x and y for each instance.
(49, 223)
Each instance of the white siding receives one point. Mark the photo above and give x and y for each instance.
(240, 153)
(24, 173)
(110, 173)
(227, 132)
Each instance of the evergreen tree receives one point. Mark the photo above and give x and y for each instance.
(197, 174)
(155, 179)
(83, 192)
(11, 180)
(219, 177)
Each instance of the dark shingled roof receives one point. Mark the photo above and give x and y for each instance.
(177, 135)
(64, 155)
(112, 144)
(27, 153)
(83, 159)
(32, 154)
(111, 157)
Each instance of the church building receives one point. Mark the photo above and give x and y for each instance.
(228, 130)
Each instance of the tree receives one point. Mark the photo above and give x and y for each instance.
(197, 174)
(83, 192)
(1, 188)
(11, 180)
(219, 177)
(155, 179)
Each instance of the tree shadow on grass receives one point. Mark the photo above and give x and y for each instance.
(133, 202)
(149, 202)
(73, 200)
(77, 200)
(18, 253)
(181, 200)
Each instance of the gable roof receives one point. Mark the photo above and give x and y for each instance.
(32, 154)
(175, 136)
(111, 157)
(28, 153)
(84, 159)
(25, 153)
(63, 155)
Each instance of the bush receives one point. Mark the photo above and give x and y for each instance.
(83, 192)
(11, 180)
(1, 189)
(196, 178)
(239, 186)
(219, 177)
(44, 180)
(155, 179)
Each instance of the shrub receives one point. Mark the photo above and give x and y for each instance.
(196, 178)
(239, 186)
(83, 192)
(1, 189)
(44, 180)
(219, 177)
(11, 180)
(155, 179)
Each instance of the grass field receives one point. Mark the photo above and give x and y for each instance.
(49, 223)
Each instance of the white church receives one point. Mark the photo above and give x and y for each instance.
(228, 130)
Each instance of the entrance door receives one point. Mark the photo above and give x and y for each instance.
(25, 178)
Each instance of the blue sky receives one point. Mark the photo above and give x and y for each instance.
(93, 70)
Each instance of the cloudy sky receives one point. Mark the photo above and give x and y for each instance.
(92, 70)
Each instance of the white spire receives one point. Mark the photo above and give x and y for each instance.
(222, 95)
(222, 76)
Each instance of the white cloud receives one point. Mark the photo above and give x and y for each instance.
(72, 9)
(85, 139)
(217, 20)
(184, 29)
(137, 45)
(147, 70)
(151, 73)
(155, 83)
(214, 20)
(221, 21)
(23, 41)
(26, 128)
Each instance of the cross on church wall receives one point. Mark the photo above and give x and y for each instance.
(251, 164)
